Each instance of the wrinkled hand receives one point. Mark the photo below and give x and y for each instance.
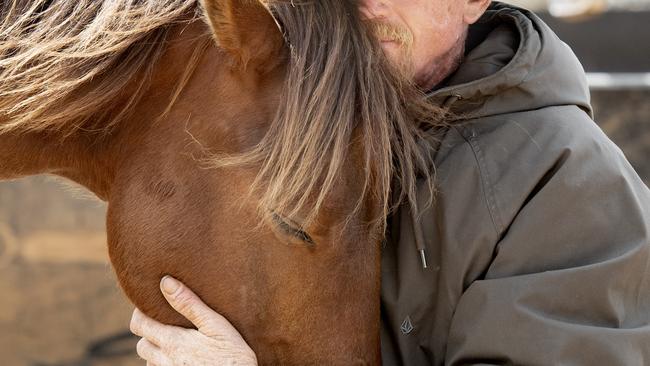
(216, 342)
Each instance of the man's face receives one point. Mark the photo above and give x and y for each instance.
(417, 35)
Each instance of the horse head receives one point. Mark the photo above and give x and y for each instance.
(302, 286)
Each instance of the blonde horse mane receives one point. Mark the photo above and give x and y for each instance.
(63, 64)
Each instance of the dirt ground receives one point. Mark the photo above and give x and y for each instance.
(60, 303)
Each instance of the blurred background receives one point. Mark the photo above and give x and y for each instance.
(612, 40)
(60, 304)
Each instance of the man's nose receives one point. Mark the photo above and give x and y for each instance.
(372, 9)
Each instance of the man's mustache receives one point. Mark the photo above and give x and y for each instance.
(389, 32)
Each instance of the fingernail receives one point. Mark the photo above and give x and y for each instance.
(169, 285)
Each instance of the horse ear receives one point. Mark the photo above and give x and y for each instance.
(247, 30)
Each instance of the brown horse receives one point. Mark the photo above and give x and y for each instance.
(257, 168)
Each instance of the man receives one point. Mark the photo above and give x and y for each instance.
(538, 244)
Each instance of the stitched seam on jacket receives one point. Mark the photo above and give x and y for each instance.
(488, 191)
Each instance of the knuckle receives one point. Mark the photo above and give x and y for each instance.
(185, 304)
(182, 296)
(209, 321)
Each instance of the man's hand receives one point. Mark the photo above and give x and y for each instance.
(216, 342)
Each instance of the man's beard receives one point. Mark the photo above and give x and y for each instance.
(402, 59)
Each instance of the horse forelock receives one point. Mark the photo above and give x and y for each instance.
(340, 91)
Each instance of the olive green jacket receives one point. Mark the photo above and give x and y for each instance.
(538, 244)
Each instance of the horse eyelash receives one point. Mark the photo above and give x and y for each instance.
(292, 230)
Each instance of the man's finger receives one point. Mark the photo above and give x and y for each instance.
(151, 353)
(145, 327)
(188, 304)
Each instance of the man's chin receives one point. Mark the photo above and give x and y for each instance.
(399, 61)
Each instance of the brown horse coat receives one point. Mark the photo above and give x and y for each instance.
(296, 301)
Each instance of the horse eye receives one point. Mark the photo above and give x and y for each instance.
(291, 229)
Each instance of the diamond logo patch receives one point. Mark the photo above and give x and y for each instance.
(406, 326)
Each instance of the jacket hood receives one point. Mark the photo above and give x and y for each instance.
(517, 64)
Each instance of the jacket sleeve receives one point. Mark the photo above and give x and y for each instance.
(569, 279)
